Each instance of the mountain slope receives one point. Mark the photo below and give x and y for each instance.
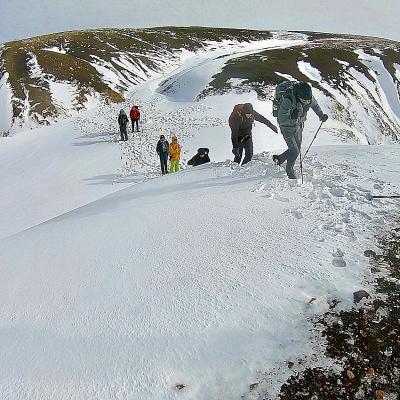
(208, 278)
(50, 77)
(99, 64)
(137, 292)
(358, 79)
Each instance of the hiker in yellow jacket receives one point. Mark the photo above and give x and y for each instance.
(174, 155)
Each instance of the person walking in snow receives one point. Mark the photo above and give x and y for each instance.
(292, 114)
(241, 123)
(163, 151)
(174, 155)
(200, 158)
(123, 122)
(135, 117)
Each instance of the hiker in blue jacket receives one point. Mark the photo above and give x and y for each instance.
(162, 151)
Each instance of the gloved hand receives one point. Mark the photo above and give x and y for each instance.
(170, 158)
(235, 152)
(294, 114)
(323, 118)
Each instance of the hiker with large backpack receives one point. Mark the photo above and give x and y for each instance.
(135, 117)
(291, 104)
(123, 122)
(241, 122)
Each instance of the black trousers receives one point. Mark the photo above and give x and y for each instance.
(124, 133)
(164, 163)
(133, 125)
(247, 146)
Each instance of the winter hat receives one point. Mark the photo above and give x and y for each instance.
(247, 108)
(303, 91)
(162, 137)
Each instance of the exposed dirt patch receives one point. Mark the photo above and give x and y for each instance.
(363, 341)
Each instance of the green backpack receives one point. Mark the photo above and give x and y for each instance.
(282, 90)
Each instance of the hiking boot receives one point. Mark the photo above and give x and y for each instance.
(292, 176)
(275, 159)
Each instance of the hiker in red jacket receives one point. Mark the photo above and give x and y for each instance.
(135, 116)
(241, 122)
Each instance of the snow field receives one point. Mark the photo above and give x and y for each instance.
(112, 289)
(145, 290)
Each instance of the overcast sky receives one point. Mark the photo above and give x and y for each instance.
(26, 18)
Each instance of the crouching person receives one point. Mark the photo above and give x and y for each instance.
(200, 158)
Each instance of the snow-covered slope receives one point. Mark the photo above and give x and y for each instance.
(47, 78)
(53, 76)
(201, 278)
(119, 283)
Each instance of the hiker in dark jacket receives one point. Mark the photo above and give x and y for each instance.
(135, 117)
(123, 121)
(292, 115)
(200, 158)
(162, 151)
(241, 123)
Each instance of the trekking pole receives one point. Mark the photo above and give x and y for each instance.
(312, 141)
(301, 166)
(394, 196)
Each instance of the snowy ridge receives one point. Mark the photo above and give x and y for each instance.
(119, 283)
(357, 78)
(100, 65)
(187, 83)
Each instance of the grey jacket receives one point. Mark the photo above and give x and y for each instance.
(287, 111)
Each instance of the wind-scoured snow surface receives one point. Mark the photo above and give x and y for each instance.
(117, 283)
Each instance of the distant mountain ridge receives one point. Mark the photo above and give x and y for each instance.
(95, 65)
(49, 77)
